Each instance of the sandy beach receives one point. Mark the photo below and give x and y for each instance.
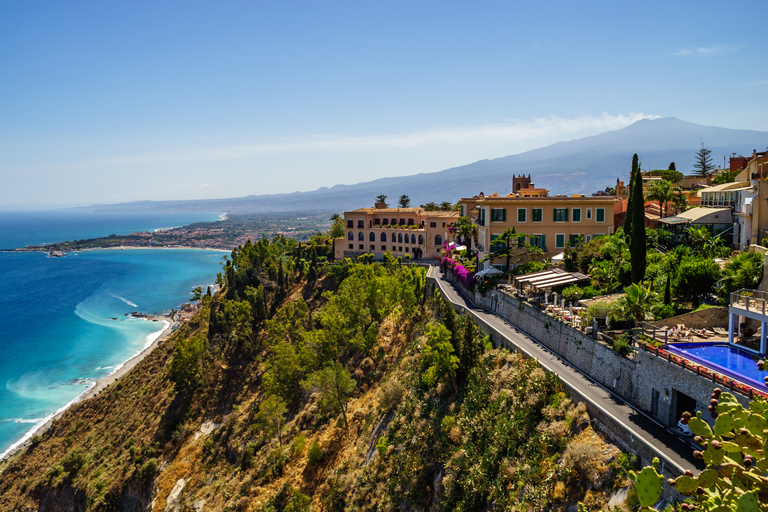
(98, 386)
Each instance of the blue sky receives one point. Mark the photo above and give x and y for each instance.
(119, 101)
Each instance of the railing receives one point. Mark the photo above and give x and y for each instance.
(751, 300)
(702, 371)
(405, 227)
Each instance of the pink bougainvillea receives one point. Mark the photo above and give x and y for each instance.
(465, 277)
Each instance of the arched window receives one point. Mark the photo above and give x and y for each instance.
(351, 236)
(383, 237)
(413, 239)
(421, 239)
(361, 236)
(438, 241)
(406, 238)
(372, 237)
(400, 237)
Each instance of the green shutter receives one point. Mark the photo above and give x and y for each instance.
(577, 215)
(543, 242)
(565, 211)
(503, 215)
(600, 214)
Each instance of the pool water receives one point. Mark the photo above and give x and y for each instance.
(725, 359)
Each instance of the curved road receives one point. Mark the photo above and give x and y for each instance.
(676, 449)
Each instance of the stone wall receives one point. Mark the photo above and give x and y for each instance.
(669, 380)
(704, 319)
(592, 357)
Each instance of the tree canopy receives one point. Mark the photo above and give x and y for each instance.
(703, 161)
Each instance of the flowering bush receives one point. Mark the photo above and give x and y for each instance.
(463, 274)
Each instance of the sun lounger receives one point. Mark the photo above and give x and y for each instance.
(720, 330)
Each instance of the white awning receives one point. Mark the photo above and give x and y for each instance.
(558, 258)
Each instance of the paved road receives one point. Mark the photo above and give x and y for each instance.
(676, 449)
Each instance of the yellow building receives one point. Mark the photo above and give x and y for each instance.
(402, 231)
(549, 222)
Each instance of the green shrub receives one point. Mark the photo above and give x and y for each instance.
(663, 311)
(382, 445)
(149, 469)
(390, 394)
(36, 439)
(55, 470)
(298, 445)
(74, 460)
(248, 455)
(314, 454)
(622, 345)
(572, 293)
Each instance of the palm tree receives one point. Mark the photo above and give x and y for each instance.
(446, 205)
(680, 201)
(638, 301)
(335, 217)
(466, 230)
(662, 191)
(431, 206)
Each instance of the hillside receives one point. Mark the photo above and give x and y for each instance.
(578, 166)
(340, 387)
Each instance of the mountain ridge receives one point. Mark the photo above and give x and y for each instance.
(582, 166)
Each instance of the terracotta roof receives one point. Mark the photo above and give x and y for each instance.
(507, 199)
(420, 211)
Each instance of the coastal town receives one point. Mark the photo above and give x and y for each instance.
(646, 299)
(225, 234)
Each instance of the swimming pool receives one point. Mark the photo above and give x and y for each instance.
(725, 359)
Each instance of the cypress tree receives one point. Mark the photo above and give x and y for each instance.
(667, 292)
(630, 208)
(637, 241)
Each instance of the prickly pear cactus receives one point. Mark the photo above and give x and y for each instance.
(735, 453)
(648, 485)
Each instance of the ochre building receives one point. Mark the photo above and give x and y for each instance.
(401, 231)
(548, 222)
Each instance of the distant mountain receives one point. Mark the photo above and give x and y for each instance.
(580, 166)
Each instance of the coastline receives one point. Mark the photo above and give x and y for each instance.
(127, 247)
(153, 340)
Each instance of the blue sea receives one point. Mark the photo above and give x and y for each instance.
(58, 332)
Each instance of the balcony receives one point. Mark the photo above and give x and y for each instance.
(752, 301)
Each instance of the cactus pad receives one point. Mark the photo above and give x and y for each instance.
(686, 484)
(747, 503)
(724, 424)
(707, 478)
(648, 486)
(699, 427)
(756, 424)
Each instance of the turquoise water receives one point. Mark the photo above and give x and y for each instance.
(57, 333)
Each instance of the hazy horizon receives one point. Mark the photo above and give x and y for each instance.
(107, 103)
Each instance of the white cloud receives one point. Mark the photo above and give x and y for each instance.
(703, 51)
(513, 132)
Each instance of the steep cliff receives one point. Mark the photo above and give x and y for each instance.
(339, 388)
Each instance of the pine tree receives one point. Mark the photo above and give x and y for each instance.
(703, 161)
(637, 243)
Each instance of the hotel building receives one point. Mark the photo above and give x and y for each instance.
(402, 231)
(549, 222)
